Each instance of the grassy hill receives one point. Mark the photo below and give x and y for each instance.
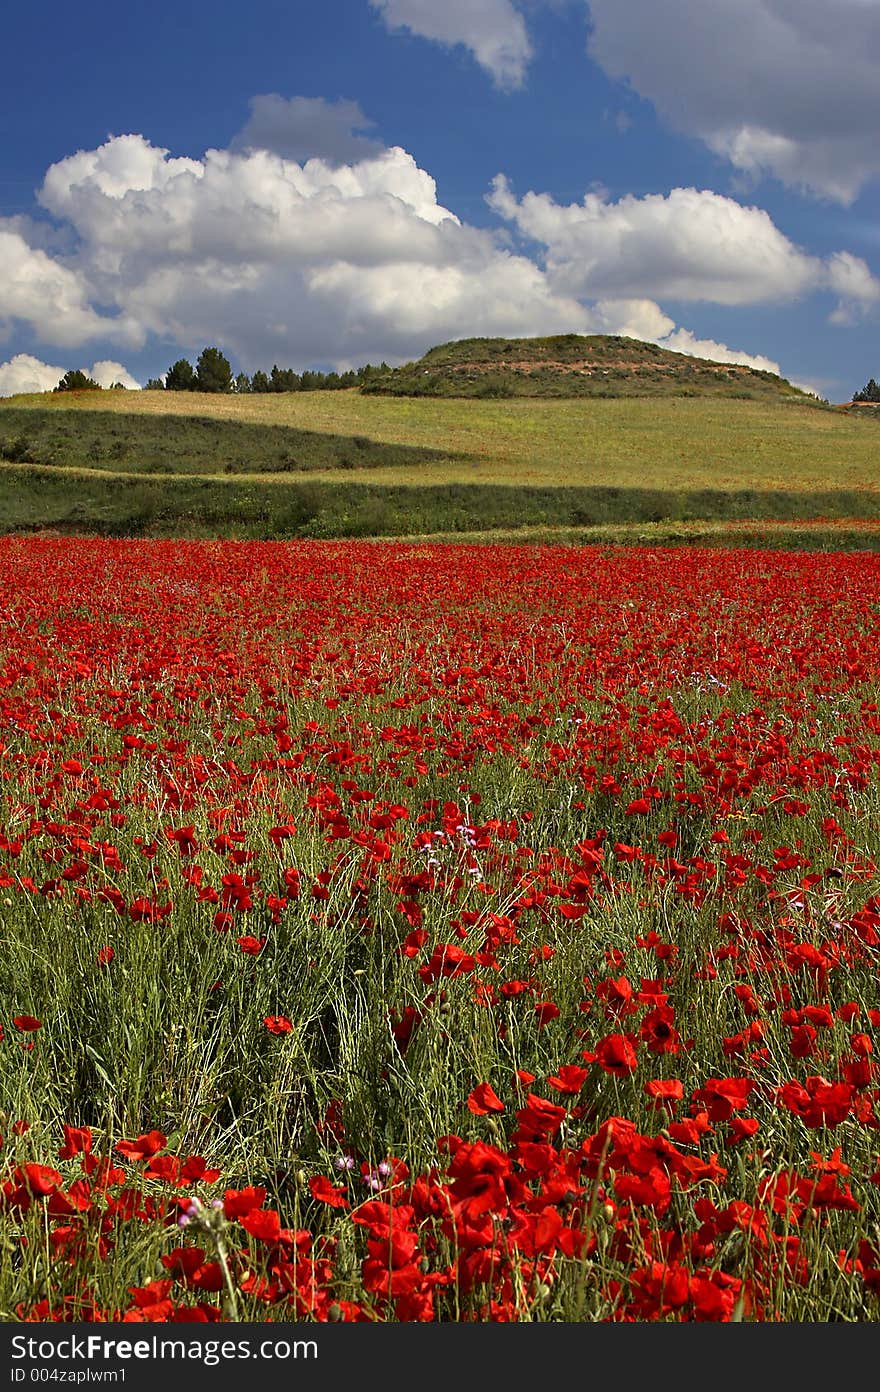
(778, 470)
(573, 365)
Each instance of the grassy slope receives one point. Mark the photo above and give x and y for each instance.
(493, 464)
(573, 365)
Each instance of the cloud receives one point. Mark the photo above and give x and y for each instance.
(780, 87)
(49, 297)
(493, 30)
(303, 263)
(683, 341)
(645, 320)
(633, 319)
(132, 201)
(302, 128)
(316, 262)
(685, 245)
(108, 373)
(688, 244)
(850, 277)
(25, 373)
(408, 307)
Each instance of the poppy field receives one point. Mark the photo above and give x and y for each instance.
(438, 933)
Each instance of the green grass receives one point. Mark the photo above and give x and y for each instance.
(197, 445)
(345, 464)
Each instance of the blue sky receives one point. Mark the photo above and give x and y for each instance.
(330, 185)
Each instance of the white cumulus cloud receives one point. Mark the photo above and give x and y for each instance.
(301, 262)
(49, 297)
(493, 30)
(683, 341)
(851, 278)
(780, 87)
(645, 320)
(25, 373)
(633, 318)
(110, 374)
(688, 244)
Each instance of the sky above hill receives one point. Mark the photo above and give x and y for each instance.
(329, 185)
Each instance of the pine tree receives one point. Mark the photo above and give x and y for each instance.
(74, 380)
(869, 393)
(180, 376)
(213, 371)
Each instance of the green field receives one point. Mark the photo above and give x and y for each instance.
(342, 463)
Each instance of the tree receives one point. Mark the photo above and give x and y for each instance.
(869, 393)
(260, 382)
(180, 376)
(283, 379)
(74, 380)
(242, 383)
(155, 384)
(213, 371)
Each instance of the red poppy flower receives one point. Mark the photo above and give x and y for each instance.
(658, 1033)
(616, 1055)
(665, 1092)
(484, 1099)
(742, 1128)
(39, 1179)
(262, 1223)
(26, 1023)
(147, 1145)
(321, 1189)
(76, 1140)
(818, 1102)
(277, 1024)
(237, 1202)
(569, 1080)
(724, 1096)
(252, 947)
(538, 1118)
(546, 1011)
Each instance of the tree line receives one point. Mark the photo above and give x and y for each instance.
(213, 373)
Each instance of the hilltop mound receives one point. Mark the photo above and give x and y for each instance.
(568, 365)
